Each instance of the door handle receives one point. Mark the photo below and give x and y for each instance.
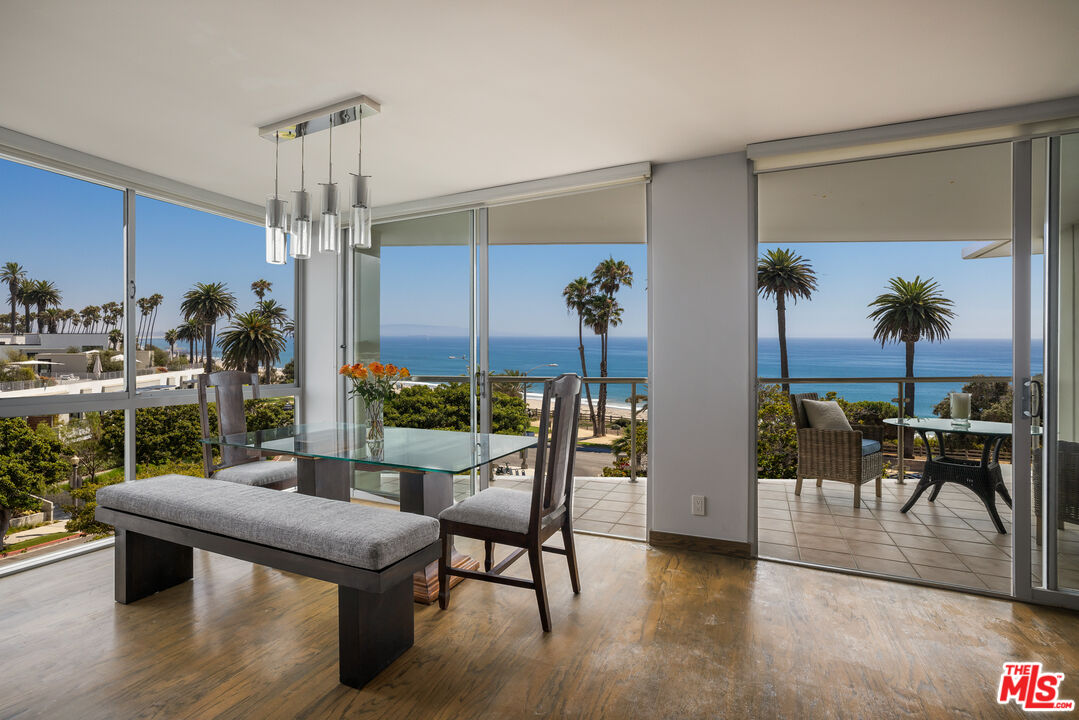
(1032, 398)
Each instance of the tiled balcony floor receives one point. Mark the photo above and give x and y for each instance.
(612, 506)
(608, 505)
(951, 540)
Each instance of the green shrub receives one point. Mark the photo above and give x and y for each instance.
(447, 407)
(988, 401)
(777, 440)
(171, 434)
(29, 461)
(865, 412)
(82, 512)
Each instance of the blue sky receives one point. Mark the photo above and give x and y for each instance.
(71, 232)
(850, 275)
(429, 286)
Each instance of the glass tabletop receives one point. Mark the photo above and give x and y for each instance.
(403, 449)
(976, 427)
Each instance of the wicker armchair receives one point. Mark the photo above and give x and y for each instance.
(1067, 484)
(836, 454)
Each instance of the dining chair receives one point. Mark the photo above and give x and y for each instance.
(524, 520)
(237, 464)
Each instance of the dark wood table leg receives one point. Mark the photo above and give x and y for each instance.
(926, 480)
(331, 479)
(983, 478)
(429, 494)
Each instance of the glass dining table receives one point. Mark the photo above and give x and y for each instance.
(327, 454)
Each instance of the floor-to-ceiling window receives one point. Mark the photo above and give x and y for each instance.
(62, 287)
(870, 273)
(415, 307)
(567, 287)
(99, 361)
(482, 305)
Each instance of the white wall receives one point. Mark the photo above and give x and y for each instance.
(320, 338)
(701, 339)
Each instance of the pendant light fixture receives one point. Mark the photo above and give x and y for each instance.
(276, 219)
(361, 200)
(299, 226)
(300, 248)
(328, 240)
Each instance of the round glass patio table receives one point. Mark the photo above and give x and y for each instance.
(982, 477)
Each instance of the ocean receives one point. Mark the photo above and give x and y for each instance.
(628, 357)
(857, 357)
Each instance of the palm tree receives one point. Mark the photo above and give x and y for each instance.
(91, 316)
(612, 275)
(171, 337)
(153, 302)
(143, 304)
(112, 313)
(272, 311)
(206, 303)
(70, 317)
(13, 274)
(116, 336)
(912, 311)
(261, 287)
(27, 298)
(251, 338)
(189, 331)
(278, 315)
(46, 295)
(602, 314)
(576, 295)
(782, 274)
(608, 278)
(52, 318)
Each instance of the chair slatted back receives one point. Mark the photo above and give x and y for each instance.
(800, 419)
(555, 451)
(228, 386)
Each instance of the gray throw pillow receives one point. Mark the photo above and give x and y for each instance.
(825, 415)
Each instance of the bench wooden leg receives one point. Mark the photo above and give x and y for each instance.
(373, 630)
(146, 565)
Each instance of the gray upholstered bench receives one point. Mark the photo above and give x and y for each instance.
(368, 552)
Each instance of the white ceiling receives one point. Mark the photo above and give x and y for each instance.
(476, 94)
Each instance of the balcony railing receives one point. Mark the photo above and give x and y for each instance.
(634, 414)
(900, 383)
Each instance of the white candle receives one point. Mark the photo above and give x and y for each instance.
(960, 403)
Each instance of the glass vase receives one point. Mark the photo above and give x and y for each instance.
(376, 430)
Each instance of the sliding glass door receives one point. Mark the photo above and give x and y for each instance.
(1054, 508)
(477, 305)
(414, 306)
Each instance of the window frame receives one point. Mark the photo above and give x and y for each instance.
(130, 399)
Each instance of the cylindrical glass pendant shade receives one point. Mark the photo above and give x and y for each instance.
(276, 212)
(361, 212)
(329, 231)
(301, 225)
(275, 246)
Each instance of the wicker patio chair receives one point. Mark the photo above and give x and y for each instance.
(1067, 483)
(838, 455)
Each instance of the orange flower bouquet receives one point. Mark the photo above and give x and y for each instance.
(374, 384)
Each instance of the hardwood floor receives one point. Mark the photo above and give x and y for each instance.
(654, 634)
